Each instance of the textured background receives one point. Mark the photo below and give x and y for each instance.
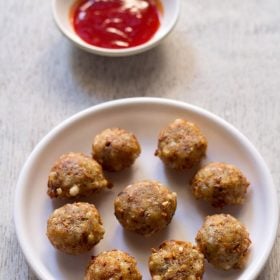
(224, 56)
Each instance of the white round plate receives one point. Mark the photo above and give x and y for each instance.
(61, 11)
(144, 117)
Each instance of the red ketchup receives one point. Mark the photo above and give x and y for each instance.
(116, 24)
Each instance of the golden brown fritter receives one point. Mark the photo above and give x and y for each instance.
(75, 228)
(115, 149)
(74, 175)
(176, 260)
(145, 207)
(181, 145)
(113, 265)
(224, 241)
(221, 184)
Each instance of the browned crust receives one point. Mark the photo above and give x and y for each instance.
(181, 145)
(224, 241)
(76, 175)
(113, 264)
(221, 184)
(176, 260)
(145, 207)
(75, 228)
(115, 149)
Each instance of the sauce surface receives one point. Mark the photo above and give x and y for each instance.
(116, 23)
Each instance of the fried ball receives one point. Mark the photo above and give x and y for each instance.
(75, 174)
(75, 228)
(181, 145)
(176, 260)
(221, 184)
(224, 241)
(113, 265)
(115, 149)
(145, 207)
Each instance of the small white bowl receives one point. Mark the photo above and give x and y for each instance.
(61, 10)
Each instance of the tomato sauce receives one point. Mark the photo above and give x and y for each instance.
(116, 24)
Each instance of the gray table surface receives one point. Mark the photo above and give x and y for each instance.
(223, 55)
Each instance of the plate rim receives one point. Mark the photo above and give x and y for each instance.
(36, 268)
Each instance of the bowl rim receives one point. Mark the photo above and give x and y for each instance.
(36, 267)
(115, 52)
